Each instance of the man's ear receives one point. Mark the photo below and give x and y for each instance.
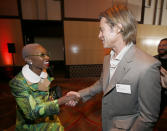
(119, 27)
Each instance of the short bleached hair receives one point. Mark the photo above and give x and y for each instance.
(27, 49)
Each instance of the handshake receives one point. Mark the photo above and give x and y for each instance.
(70, 99)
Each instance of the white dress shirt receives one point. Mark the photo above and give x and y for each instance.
(115, 61)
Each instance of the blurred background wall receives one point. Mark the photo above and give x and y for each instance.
(69, 29)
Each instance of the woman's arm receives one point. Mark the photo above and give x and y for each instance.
(28, 104)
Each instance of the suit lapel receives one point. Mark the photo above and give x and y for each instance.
(106, 72)
(122, 69)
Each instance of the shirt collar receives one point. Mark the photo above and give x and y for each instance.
(32, 77)
(122, 53)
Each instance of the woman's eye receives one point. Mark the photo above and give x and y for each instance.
(43, 55)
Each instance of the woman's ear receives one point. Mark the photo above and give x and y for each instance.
(28, 60)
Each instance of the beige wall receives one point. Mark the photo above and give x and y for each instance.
(54, 46)
(10, 32)
(149, 15)
(149, 36)
(82, 45)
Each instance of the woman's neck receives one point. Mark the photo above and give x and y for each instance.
(35, 69)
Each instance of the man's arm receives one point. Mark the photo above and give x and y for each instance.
(149, 97)
(85, 94)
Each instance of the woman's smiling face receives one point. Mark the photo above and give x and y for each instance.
(39, 57)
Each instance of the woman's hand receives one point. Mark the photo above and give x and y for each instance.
(67, 98)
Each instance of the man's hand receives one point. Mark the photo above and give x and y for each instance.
(67, 98)
(73, 102)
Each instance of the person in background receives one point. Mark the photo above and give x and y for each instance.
(36, 108)
(162, 57)
(162, 53)
(130, 80)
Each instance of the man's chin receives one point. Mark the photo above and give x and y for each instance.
(105, 46)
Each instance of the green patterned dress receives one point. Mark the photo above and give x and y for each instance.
(35, 112)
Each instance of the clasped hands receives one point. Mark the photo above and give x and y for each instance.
(70, 99)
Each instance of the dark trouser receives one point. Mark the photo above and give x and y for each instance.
(163, 100)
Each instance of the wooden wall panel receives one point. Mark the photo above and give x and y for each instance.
(153, 12)
(82, 45)
(53, 10)
(8, 8)
(85, 8)
(149, 36)
(41, 9)
(53, 45)
(92, 8)
(29, 9)
(10, 32)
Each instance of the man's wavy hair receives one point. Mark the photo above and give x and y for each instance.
(119, 14)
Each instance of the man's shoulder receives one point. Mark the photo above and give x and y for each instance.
(145, 58)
